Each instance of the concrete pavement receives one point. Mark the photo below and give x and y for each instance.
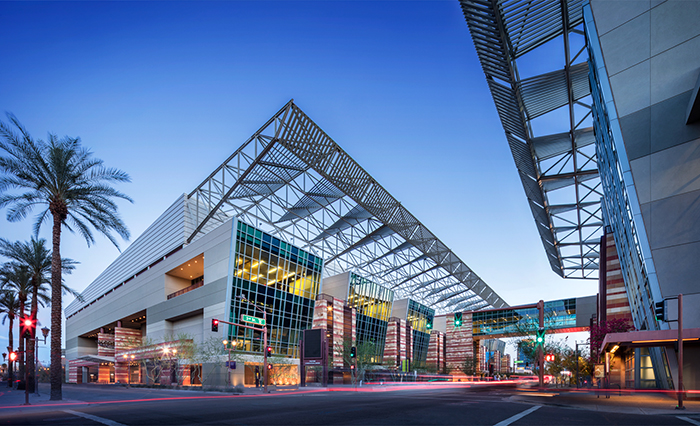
(639, 402)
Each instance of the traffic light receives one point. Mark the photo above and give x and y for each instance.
(269, 366)
(269, 351)
(458, 319)
(353, 352)
(429, 325)
(539, 340)
(214, 325)
(660, 310)
(13, 356)
(28, 327)
(549, 357)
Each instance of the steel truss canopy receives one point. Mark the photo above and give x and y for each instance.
(558, 171)
(293, 181)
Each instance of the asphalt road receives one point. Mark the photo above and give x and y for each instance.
(404, 407)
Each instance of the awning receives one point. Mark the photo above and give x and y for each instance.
(647, 338)
(96, 358)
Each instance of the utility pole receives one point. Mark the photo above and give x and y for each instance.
(680, 352)
(540, 353)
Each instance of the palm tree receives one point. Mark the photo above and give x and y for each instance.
(15, 278)
(73, 187)
(37, 258)
(9, 305)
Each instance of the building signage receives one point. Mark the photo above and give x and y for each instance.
(312, 362)
(599, 371)
(252, 320)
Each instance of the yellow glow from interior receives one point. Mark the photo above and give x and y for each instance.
(664, 340)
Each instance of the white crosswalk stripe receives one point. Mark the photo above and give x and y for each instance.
(517, 417)
(102, 420)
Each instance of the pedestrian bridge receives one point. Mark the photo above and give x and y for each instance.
(560, 316)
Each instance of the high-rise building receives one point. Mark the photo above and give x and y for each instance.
(646, 108)
(599, 102)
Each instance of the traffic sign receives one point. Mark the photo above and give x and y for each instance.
(252, 320)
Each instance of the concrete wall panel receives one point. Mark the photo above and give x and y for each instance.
(675, 71)
(678, 270)
(673, 23)
(668, 127)
(610, 14)
(675, 171)
(631, 89)
(636, 133)
(675, 220)
(626, 45)
(641, 173)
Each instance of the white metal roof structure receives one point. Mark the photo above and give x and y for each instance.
(558, 171)
(293, 181)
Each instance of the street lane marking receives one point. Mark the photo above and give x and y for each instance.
(102, 420)
(517, 417)
(689, 420)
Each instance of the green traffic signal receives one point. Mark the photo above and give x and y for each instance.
(458, 319)
(539, 340)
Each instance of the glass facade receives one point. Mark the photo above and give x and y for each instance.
(278, 278)
(373, 304)
(557, 314)
(419, 316)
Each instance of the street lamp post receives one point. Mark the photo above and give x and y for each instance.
(229, 345)
(264, 331)
(129, 360)
(10, 371)
(576, 355)
(168, 352)
(45, 332)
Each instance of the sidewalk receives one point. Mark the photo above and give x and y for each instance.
(629, 403)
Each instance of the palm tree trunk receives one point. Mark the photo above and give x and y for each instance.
(56, 310)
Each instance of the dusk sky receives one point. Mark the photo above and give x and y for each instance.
(166, 91)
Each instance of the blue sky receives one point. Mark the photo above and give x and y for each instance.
(166, 91)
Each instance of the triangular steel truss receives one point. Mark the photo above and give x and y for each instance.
(292, 180)
(559, 171)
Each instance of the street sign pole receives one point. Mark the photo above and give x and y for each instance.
(265, 349)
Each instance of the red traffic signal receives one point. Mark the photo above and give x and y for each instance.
(549, 357)
(269, 351)
(269, 366)
(13, 356)
(28, 327)
(214, 325)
